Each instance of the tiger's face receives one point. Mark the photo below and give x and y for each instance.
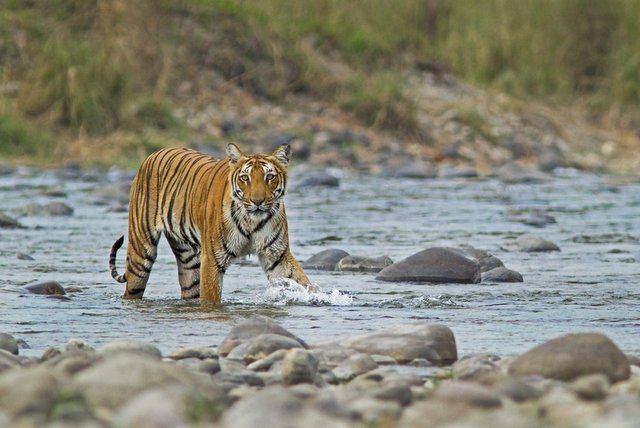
(258, 182)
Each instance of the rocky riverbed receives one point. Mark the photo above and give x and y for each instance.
(261, 374)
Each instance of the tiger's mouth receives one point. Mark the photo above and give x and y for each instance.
(258, 209)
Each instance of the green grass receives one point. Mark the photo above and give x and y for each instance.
(18, 139)
(79, 84)
(92, 68)
(557, 49)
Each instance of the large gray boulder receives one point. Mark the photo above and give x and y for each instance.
(570, 356)
(48, 288)
(406, 342)
(437, 264)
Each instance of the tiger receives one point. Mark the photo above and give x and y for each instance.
(211, 211)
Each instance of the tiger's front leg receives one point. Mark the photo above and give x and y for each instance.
(210, 280)
(284, 265)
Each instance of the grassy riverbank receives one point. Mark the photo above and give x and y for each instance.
(96, 81)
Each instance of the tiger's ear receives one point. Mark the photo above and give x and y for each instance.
(283, 154)
(234, 153)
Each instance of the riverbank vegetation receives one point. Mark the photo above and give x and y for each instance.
(79, 75)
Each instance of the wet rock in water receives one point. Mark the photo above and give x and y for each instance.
(51, 209)
(317, 179)
(68, 172)
(363, 264)
(48, 288)
(7, 222)
(437, 264)
(261, 346)
(415, 169)
(325, 260)
(501, 274)
(487, 260)
(6, 169)
(529, 244)
(406, 342)
(22, 256)
(9, 343)
(250, 328)
(570, 356)
(534, 218)
(489, 263)
(514, 173)
(457, 172)
(299, 366)
(116, 194)
(130, 347)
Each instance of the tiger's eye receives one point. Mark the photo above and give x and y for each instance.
(270, 176)
(244, 178)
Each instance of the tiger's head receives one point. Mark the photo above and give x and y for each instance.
(258, 181)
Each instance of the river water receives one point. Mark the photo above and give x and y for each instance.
(592, 284)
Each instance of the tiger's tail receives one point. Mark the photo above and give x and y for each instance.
(112, 260)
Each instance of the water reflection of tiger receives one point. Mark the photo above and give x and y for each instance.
(211, 211)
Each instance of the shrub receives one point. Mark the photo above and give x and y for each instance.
(79, 84)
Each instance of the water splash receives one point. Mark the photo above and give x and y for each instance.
(285, 291)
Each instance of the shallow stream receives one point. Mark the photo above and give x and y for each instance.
(592, 284)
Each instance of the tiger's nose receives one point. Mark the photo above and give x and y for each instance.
(258, 202)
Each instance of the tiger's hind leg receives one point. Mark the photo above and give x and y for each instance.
(141, 254)
(188, 261)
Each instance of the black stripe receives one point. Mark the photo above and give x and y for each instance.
(227, 250)
(189, 258)
(236, 221)
(263, 222)
(193, 284)
(277, 262)
(274, 239)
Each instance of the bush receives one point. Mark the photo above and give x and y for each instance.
(79, 84)
(17, 140)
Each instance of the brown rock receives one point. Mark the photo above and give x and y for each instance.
(250, 328)
(406, 342)
(573, 355)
